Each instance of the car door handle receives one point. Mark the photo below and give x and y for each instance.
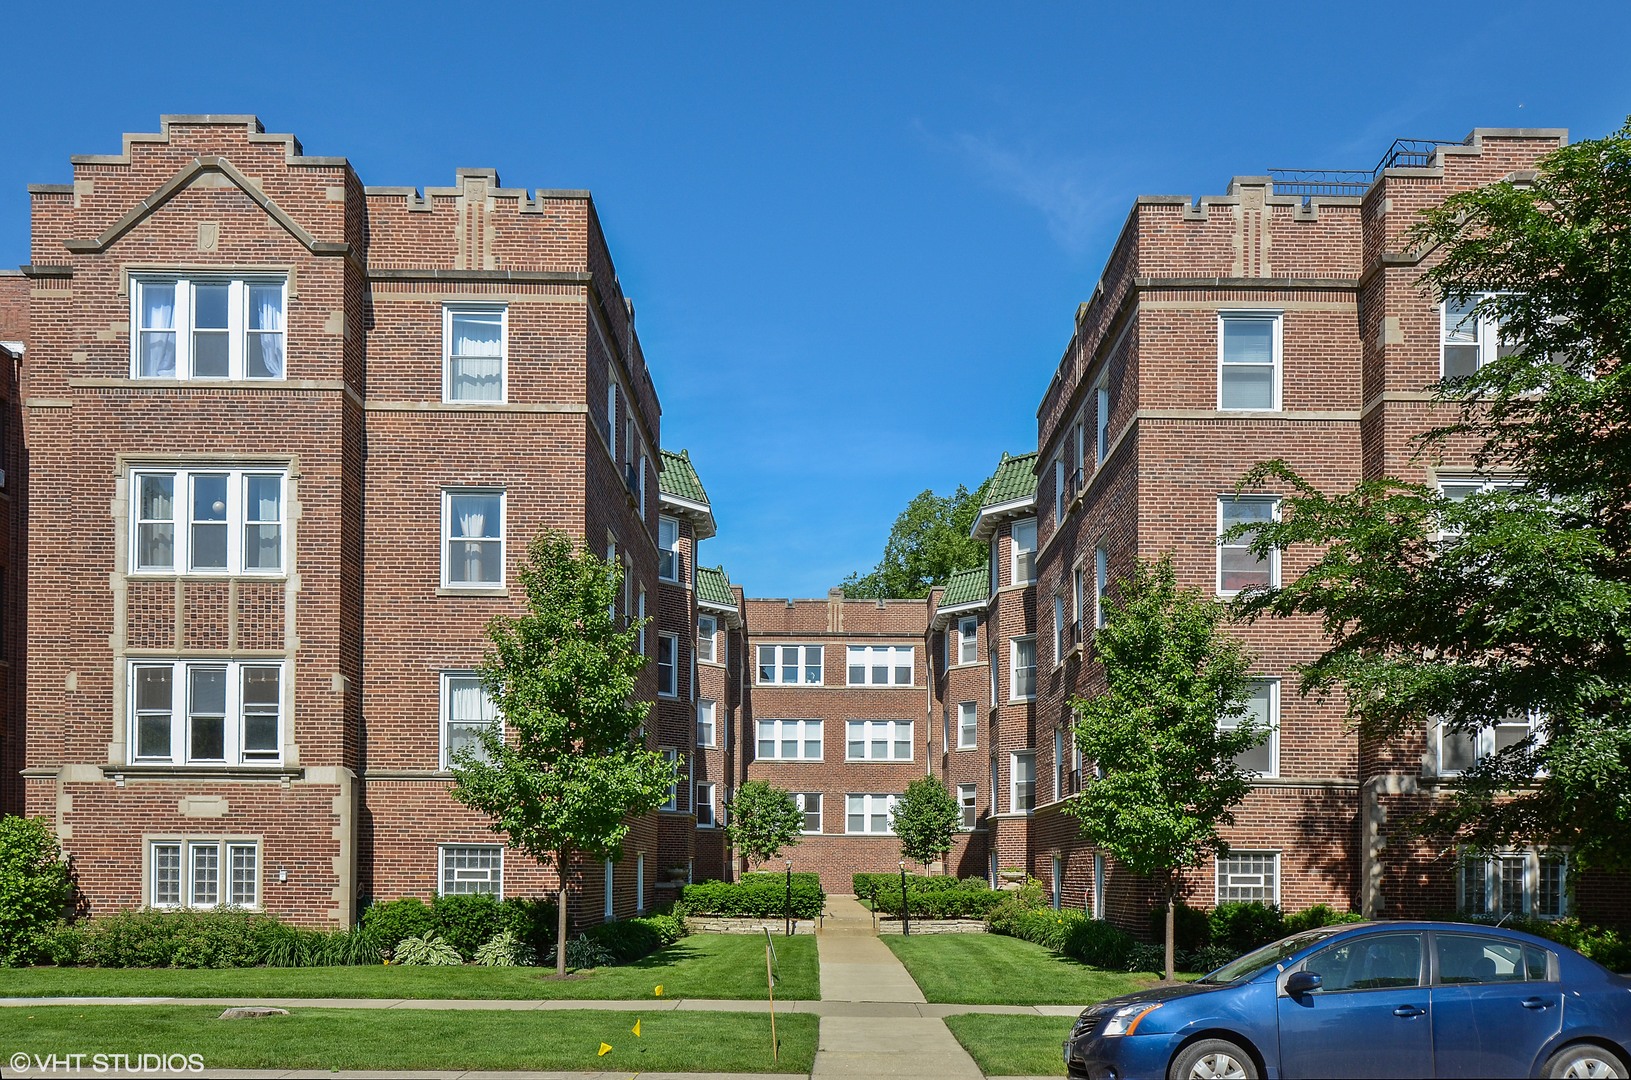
(1537, 1003)
(1408, 1011)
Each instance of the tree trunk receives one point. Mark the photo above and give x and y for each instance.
(1172, 921)
(560, 917)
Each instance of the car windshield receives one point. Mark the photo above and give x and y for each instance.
(1253, 962)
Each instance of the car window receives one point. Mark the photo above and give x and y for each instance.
(1253, 962)
(1368, 963)
(1466, 958)
(1535, 963)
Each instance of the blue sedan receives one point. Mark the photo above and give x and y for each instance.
(1395, 999)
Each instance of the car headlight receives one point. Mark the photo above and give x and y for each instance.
(1125, 1020)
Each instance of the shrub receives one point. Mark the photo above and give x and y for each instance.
(291, 946)
(1604, 944)
(1319, 915)
(753, 898)
(960, 903)
(467, 921)
(502, 951)
(35, 887)
(808, 878)
(630, 939)
(1191, 929)
(1146, 956)
(533, 924)
(1208, 958)
(63, 943)
(582, 953)
(880, 884)
(396, 920)
(1243, 926)
(217, 938)
(1028, 897)
(427, 951)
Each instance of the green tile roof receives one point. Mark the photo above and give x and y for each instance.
(967, 587)
(1014, 479)
(714, 586)
(679, 478)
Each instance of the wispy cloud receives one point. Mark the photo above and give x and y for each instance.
(1056, 187)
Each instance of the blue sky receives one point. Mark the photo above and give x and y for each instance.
(855, 234)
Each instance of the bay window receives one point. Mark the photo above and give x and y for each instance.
(208, 327)
(205, 712)
(207, 521)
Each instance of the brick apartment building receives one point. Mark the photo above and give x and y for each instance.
(303, 430)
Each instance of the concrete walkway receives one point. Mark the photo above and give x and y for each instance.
(862, 1041)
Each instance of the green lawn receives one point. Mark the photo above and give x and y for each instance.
(701, 966)
(1013, 1045)
(413, 1041)
(991, 969)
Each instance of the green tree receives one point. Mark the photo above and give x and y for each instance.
(762, 821)
(928, 543)
(925, 817)
(1511, 601)
(571, 766)
(35, 887)
(1167, 776)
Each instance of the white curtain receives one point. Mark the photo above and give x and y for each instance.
(266, 309)
(477, 356)
(471, 523)
(158, 332)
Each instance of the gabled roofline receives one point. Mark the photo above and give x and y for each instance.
(943, 616)
(985, 522)
(701, 515)
(733, 615)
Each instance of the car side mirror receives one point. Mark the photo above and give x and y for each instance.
(1302, 982)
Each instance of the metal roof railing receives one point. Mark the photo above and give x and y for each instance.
(1402, 154)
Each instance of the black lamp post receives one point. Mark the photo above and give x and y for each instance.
(905, 915)
(789, 907)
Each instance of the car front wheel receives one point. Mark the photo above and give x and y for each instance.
(1215, 1059)
(1584, 1062)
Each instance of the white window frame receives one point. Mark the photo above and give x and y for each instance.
(1484, 741)
(1060, 500)
(672, 756)
(1022, 556)
(710, 709)
(996, 563)
(228, 890)
(891, 737)
(708, 639)
(801, 800)
(1098, 885)
(181, 522)
(668, 549)
(234, 754)
(495, 874)
(448, 539)
(672, 686)
(1060, 629)
(870, 802)
(1276, 362)
(1223, 879)
(1014, 668)
(609, 889)
(968, 725)
(237, 329)
(1486, 334)
(447, 683)
(1014, 759)
(1494, 902)
(449, 311)
(968, 640)
(801, 738)
(1101, 394)
(802, 655)
(968, 805)
(1478, 485)
(866, 657)
(703, 797)
(1274, 555)
(1273, 735)
(640, 618)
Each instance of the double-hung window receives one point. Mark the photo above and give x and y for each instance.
(870, 815)
(1249, 876)
(808, 804)
(1515, 883)
(207, 521)
(1468, 341)
(205, 712)
(196, 873)
(1022, 669)
(1102, 415)
(468, 869)
(789, 665)
(879, 740)
(1101, 583)
(672, 802)
(1022, 782)
(967, 806)
(706, 713)
(668, 548)
(208, 327)
(707, 638)
(1239, 568)
(1061, 631)
(1249, 361)
(1458, 751)
(880, 665)
(668, 651)
(1024, 539)
(1078, 591)
(1262, 712)
(473, 353)
(1459, 488)
(703, 804)
(473, 538)
(789, 740)
(968, 724)
(968, 642)
(467, 711)
(1061, 496)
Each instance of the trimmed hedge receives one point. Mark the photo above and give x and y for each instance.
(466, 922)
(220, 938)
(868, 884)
(971, 899)
(805, 877)
(755, 898)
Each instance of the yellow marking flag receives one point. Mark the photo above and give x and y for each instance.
(605, 1048)
(636, 1029)
(659, 990)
